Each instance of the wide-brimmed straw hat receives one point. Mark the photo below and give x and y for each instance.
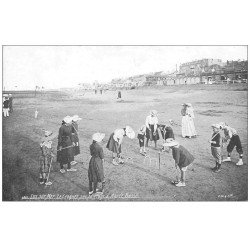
(76, 118)
(67, 119)
(216, 126)
(130, 132)
(47, 144)
(153, 112)
(98, 137)
(222, 124)
(170, 143)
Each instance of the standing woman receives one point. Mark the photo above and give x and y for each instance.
(75, 136)
(188, 128)
(152, 128)
(190, 112)
(115, 141)
(65, 145)
(119, 95)
(95, 171)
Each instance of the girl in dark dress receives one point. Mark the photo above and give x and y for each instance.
(115, 142)
(166, 132)
(65, 145)
(182, 159)
(95, 171)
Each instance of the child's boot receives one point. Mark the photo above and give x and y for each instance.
(227, 159)
(218, 169)
(120, 160)
(41, 180)
(215, 166)
(114, 162)
(239, 163)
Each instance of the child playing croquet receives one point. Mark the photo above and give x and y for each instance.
(216, 143)
(46, 158)
(115, 141)
(182, 158)
(141, 137)
(95, 171)
(234, 140)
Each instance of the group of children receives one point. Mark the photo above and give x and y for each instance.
(68, 147)
(68, 142)
(217, 141)
(150, 131)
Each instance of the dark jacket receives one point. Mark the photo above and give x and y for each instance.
(217, 139)
(65, 140)
(182, 157)
(6, 104)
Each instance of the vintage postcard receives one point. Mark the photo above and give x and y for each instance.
(124, 123)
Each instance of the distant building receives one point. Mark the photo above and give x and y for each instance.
(199, 66)
(200, 71)
(129, 82)
(231, 71)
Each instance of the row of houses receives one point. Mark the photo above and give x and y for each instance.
(206, 71)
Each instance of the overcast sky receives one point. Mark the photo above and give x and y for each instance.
(66, 66)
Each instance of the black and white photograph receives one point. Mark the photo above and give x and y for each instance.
(125, 123)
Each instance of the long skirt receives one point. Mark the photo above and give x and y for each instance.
(76, 149)
(95, 171)
(188, 128)
(113, 145)
(65, 155)
(151, 135)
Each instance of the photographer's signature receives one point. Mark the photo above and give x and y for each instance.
(226, 196)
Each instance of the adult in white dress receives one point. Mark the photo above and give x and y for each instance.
(188, 127)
